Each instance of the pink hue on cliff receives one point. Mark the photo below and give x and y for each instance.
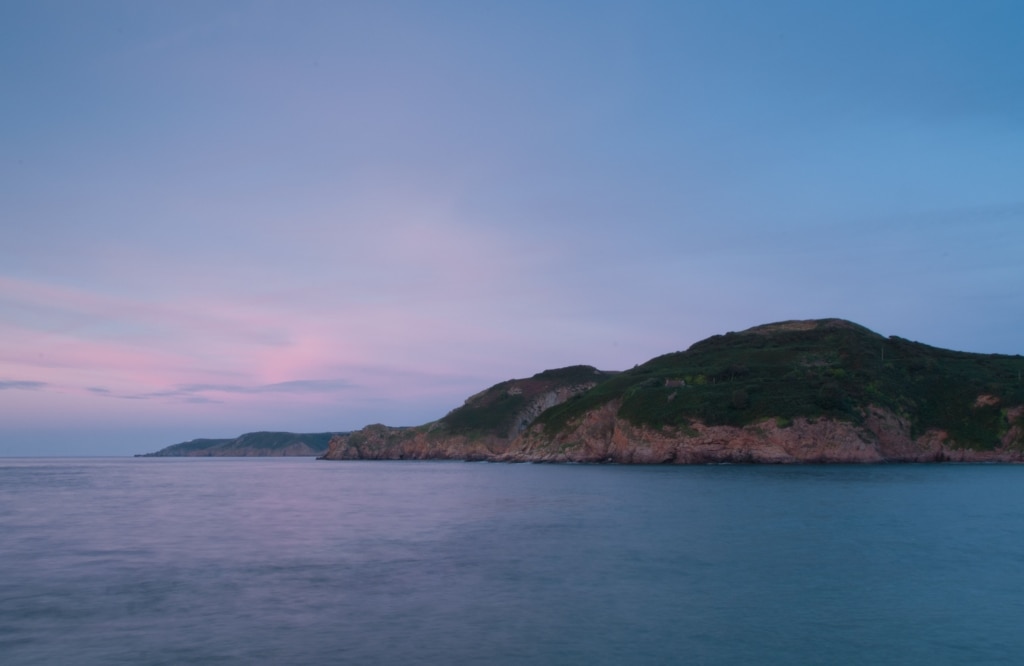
(601, 437)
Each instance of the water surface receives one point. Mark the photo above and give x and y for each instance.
(273, 561)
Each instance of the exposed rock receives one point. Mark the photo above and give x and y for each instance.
(1014, 437)
(601, 436)
(543, 402)
(884, 437)
(380, 442)
(984, 400)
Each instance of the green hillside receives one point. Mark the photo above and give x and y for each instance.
(495, 411)
(252, 443)
(826, 368)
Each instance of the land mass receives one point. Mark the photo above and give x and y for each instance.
(252, 444)
(813, 391)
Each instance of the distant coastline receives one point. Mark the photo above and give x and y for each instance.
(252, 444)
(810, 391)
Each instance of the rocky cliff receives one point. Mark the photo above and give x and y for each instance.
(601, 436)
(808, 391)
(483, 428)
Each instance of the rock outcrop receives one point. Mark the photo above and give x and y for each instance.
(603, 437)
(437, 441)
(380, 442)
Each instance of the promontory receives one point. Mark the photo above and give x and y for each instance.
(813, 391)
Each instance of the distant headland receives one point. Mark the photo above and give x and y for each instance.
(815, 391)
(811, 391)
(259, 444)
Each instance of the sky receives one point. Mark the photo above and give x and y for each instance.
(222, 216)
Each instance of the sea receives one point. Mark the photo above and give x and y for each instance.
(297, 561)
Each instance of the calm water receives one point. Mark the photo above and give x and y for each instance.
(294, 561)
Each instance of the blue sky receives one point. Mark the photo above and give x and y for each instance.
(221, 217)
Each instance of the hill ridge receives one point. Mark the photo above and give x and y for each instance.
(790, 391)
(259, 444)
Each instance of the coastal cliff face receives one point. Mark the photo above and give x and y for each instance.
(820, 391)
(601, 436)
(516, 404)
(379, 442)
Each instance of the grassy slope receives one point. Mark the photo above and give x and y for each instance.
(829, 368)
(493, 411)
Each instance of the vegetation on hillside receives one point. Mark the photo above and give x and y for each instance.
(495, 410)
(266, 443)
(827, 368)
